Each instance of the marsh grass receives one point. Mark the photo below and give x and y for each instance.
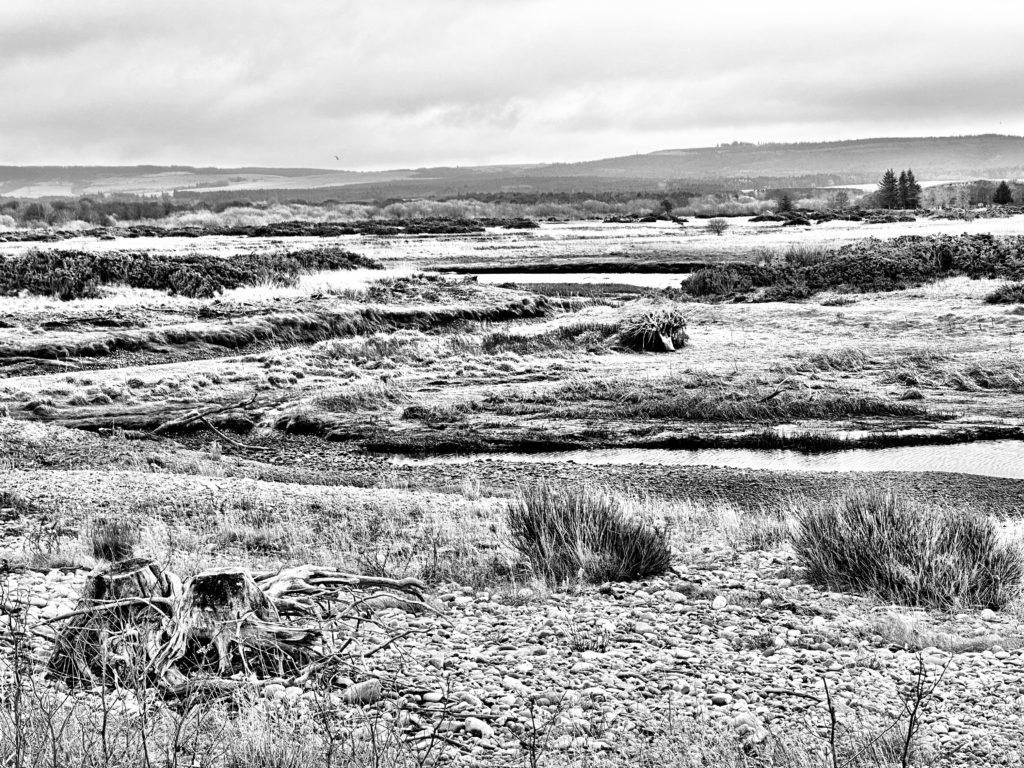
(872, 541)
(370, 394)
(684, 398)
(573, 534)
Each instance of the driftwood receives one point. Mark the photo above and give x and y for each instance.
(138, 624)
(198, 415)
(158, 418)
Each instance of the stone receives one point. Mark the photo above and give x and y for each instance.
(366, 692)
(476, 727)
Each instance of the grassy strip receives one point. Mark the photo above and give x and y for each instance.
(285, 328)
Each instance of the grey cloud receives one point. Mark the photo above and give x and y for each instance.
(421, 83)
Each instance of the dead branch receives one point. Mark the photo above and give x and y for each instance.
(202, 414)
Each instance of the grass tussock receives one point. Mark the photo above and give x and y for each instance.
(113, 538)
(659, 328)
(572, 534)
(873, 541)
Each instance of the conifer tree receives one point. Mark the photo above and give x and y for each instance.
(902, 191)
(913, 191)
(888, 190)
(1003, 195)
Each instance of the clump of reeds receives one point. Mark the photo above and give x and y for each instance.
(569, 534)
(873, 541)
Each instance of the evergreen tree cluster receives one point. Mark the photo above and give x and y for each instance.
(901, 191)
(1003, 194)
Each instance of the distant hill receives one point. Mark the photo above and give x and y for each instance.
(858, 161)
(729, 166)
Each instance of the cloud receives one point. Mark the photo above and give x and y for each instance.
(412, 83)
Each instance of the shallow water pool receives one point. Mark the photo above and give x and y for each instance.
(996, 458)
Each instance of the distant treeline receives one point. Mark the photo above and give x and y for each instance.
(236, 209)
(77, 213)
(101, 212)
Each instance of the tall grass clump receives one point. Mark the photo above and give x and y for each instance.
(652, 328)
(569, 533)
(871, 540)
(113, 539)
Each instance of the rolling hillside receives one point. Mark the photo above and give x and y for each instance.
(733, 165)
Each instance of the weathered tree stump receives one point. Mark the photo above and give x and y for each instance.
(115, 630)
(226, 624)
(136, 625)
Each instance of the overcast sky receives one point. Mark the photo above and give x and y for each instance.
(411, 83)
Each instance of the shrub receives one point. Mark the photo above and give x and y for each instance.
(718, 281)
(570, 533)
(718, 226)
(1009, 293)
(870, 540)
(652, 328)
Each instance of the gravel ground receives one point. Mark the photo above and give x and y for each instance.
(727, 637)
(724, 638)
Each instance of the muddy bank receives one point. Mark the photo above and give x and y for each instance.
(744, 487)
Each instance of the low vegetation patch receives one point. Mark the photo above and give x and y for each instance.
(569, 337)
(569, 534)
(873, 541)
(868, 265)
(80, 274)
